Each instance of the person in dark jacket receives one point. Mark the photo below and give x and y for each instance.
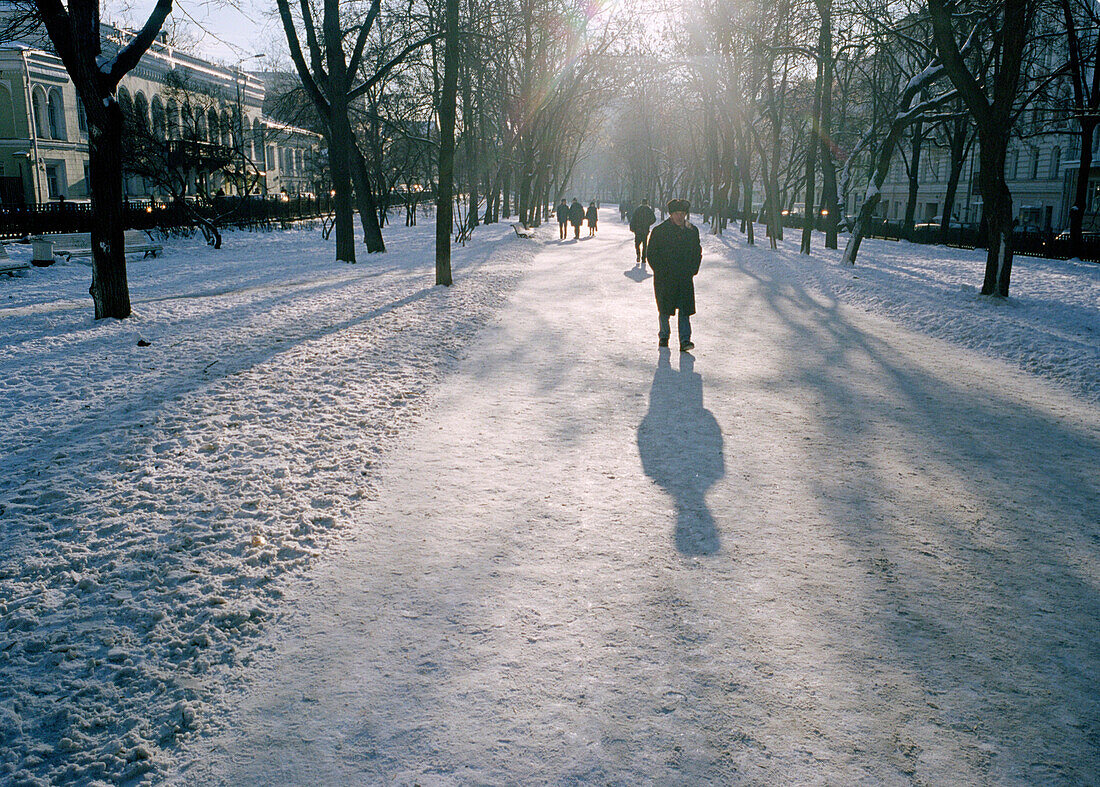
(674, 254)
(592, 215)
(625, 210)
(576, 216)
(562, 211)
(640, 222)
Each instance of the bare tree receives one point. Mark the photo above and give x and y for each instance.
(991, 98)
(447, 108)
(75, 34)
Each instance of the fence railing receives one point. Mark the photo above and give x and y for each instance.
(1024, 243)
(969, 236)
(252, 212)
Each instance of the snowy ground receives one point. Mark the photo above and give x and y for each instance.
(151, 495)
(828, 548)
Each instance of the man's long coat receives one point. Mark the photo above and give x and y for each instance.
(674, 255)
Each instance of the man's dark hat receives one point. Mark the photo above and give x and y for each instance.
(679, 204)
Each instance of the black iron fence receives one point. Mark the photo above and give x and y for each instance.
(1025, 243)
(1030, 243)
(250, 212)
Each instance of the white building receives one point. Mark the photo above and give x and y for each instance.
(215, 110)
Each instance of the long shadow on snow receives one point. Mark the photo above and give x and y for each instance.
(680, 444)
(273, 344)
(1012, 615)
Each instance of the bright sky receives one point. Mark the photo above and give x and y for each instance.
(227, 32)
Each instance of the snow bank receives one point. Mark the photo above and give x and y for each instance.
(151, 494)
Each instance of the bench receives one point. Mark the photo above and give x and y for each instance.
(79, 244)
(11, 268)
(7, 266)
(523, 231)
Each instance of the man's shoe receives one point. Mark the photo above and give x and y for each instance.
(662, 342)
(685, 346)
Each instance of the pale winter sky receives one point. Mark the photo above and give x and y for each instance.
(227, 31)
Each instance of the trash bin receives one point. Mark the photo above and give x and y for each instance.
(42, 252)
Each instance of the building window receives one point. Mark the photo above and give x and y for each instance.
(87, 179)
(41, 123)
(1055, 163)
(81, 117)
(55, 179)
(1035, 163)
(56, 112)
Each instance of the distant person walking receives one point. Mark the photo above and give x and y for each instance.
(625, 209)
(675, 254)
(576, 216)
(592, 215)
(640, 222)
(562, 211)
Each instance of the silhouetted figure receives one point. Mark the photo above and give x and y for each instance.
(592, 215)
(625, 209)
(562, 211)
(674, 255)
(680, 445)
(576, 216)
(640, 222)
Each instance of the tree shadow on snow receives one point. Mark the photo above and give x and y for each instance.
(954, 484)
(681, 448)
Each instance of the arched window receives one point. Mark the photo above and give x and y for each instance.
(41, 113)
(200, 125)
(214, 125)
(141, 110)
(159, 118)
(1034, 164)
(189, 129)
(81, 117)
(227, 129)
(7, 115)
(1055, 163)
(173, 119)
(56, 112)
(127, 105)
(257, 142)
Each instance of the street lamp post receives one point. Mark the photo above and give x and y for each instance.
(240, 123)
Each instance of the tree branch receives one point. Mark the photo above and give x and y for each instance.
(380, 74)
(125, 60)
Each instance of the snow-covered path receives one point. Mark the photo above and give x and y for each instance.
(823, 549)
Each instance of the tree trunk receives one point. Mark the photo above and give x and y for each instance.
(1081, 194)
(960, 131)
(447, 105)
(110, 292)
(914, 178)
(340, 137)
(997, 209)
(813, 142)
(368, 210)
(828, 165)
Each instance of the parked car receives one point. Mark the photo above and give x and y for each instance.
(1088, 237)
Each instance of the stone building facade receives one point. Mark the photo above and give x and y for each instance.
(217, 111)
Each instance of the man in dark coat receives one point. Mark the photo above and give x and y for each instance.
(592, 215)
(562, 211)
(576, 216)
(674, 254)
(640, 222)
